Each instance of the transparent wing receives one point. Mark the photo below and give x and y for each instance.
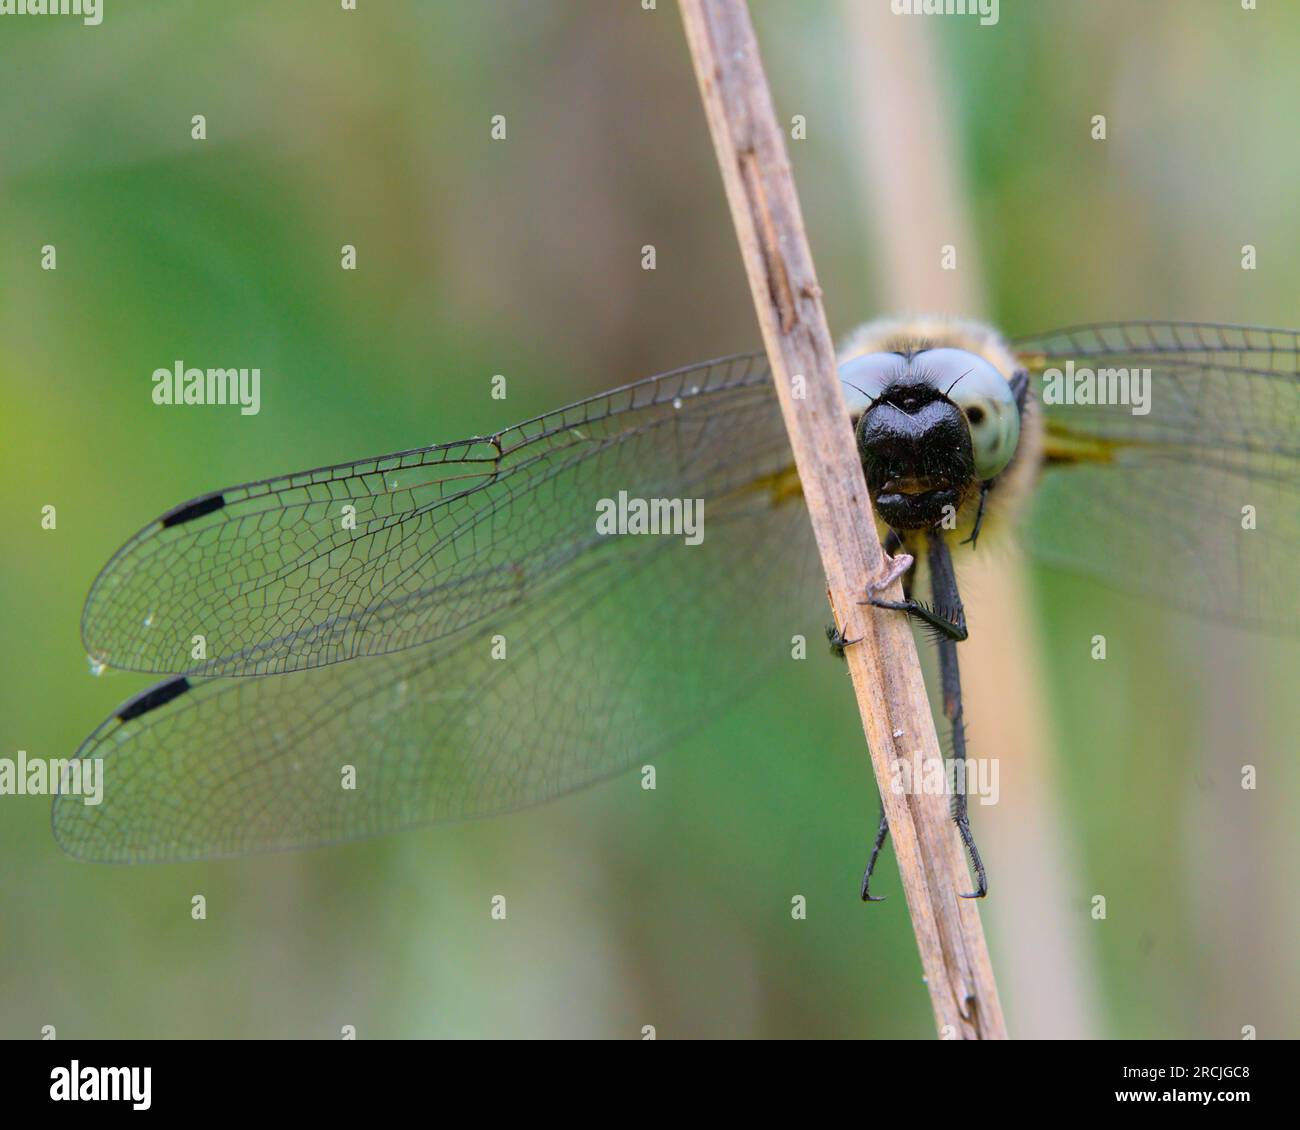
(1197, 501)
(606, 651)
(383, 554)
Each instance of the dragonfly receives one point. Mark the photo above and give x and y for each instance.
(449, 633)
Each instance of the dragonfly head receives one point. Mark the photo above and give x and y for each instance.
(938, 422)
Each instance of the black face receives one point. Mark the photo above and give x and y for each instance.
(916, 450)
(940, 421)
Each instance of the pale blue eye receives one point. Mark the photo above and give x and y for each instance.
(864, 378)
(985, 399)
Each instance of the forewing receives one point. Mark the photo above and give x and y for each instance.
(641, 641)
(1197, 501)
(383, 554)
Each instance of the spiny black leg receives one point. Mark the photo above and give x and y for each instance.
(948, 620)
(979, 517)
(944, 589)
(952, 710)
(881, 832)
(838, 641)
(895, 567)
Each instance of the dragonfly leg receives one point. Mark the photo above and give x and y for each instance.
(882, 831)
(838, 641)
(945, 616)
(895, 567)
(944, 591)
(979, 516)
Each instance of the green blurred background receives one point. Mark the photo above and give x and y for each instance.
(522, 257)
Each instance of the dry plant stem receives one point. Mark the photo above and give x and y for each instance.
(916, 196)
(886, 675)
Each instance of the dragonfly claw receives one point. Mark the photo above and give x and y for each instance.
(839, 641)
(895, 567)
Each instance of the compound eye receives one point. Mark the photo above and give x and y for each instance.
(865, 377)
(985, 399)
